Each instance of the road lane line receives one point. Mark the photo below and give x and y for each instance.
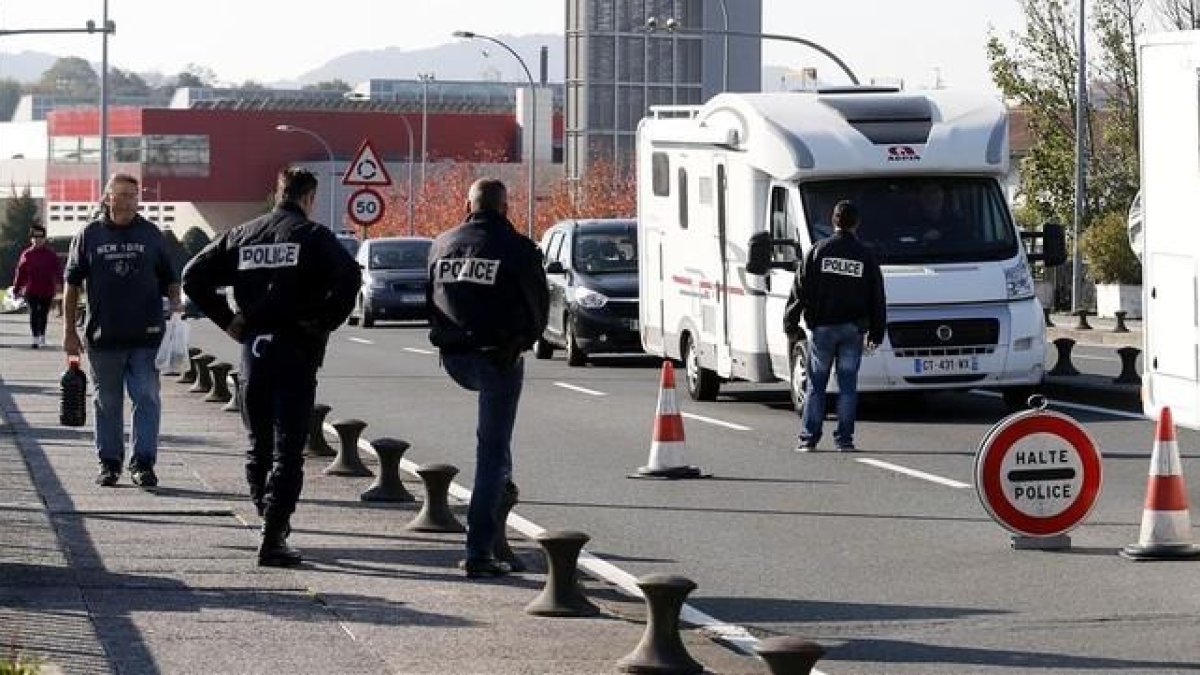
(1095, 358)
(720, 423)
(361, 341)
(1078, 406)
(736, 636)
(913, 473)
(414, 350)
(589, 392)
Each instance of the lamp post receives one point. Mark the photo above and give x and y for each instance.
(1081, 103)
(532, 119)
(672, 25)
(725, 57)
(291, 128)
(425, 79)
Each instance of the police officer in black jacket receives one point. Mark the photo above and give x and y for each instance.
(293, 284)
(839, 293)
(489, 301)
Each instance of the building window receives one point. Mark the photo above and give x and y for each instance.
(683, 198)
(660, 169)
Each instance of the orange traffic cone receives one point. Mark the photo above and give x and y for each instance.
(667, 446)
(1166, 526)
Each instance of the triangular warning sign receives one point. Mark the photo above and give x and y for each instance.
(367, 168)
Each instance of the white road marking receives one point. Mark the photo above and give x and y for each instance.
(414, 350)
(913, 473)
(720, 423)
(737, 636)
(589, 392)
(1094, 358)
(361, 341)
(1078, 406)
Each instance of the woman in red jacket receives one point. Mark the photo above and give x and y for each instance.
(39, 275)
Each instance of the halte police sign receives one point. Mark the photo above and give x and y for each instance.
(1038, 473)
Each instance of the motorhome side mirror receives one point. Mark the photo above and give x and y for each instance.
(555, 267)
(759, 260)
(1054, 245)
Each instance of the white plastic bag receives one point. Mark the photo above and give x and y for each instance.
(173, 352)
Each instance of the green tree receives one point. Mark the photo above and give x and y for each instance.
(186, 79)
(10, 96)
(1179, 14)
(20, 213)
(337, 85)
(126, 83)
(70, 76)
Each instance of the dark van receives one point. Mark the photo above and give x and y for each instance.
(591, 266)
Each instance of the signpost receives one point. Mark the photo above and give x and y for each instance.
(1038, 473)
(367, 171)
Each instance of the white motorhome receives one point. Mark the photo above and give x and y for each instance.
(1169, 120)
(961, 305)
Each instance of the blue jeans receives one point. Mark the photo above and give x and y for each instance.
(842, 342)
(113, 372)
(499, 390)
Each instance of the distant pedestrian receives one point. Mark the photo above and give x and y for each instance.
(489, 300)
(839, 294)
(122, 262)
(38, 279)
(294, 284)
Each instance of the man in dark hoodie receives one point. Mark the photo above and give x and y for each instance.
(293, 284)
(839, 293)
(489, 301)
(121, 260)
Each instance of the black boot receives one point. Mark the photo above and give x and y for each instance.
(274, 551)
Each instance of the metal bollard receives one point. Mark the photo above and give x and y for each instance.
(500, 548)
(347, 462)
(189, 376)
(661, 649)
(387, 486)
(1129, 374)
(1120, 327)
(235, 389)
(203, 383)
(435, 514)
(1047, 311)
(789, 655)
(1082, 323)
(219, 393)
(562, 595)
(1063, 365)
(316, 445)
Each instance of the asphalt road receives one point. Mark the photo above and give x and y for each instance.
(892, 572)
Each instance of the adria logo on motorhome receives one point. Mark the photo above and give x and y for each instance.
(902, 153)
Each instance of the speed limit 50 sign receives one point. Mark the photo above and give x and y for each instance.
(365, 207)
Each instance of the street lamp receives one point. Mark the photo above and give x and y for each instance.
(532, 118)
(291, 128)
(425, 79)
(725, 59)
(672, 26)
(1081, 104)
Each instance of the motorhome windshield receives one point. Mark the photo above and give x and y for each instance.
(919, 220)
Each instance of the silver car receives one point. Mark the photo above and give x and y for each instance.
(394, 278)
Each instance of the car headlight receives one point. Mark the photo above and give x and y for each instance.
(589, 299)
(1018, 281)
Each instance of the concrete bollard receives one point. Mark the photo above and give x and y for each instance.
(387, 486)
(1046, 311)
(203, 383)
(1129, 374)
(317, 446)
(189, 376)
(501, 549)
(235, 389)
(1063, 365)
(789, 655)
(1120, 327)
(562, 595)
(347, 462)
(435, 514)
(661, 649)
(219, 393)
(1082, 323)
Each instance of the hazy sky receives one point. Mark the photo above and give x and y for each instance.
(268, 40)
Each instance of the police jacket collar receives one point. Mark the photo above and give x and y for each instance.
(291, 207)
(489, 218)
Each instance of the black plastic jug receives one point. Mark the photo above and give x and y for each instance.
(72, 407)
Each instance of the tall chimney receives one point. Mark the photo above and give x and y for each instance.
(545, 59)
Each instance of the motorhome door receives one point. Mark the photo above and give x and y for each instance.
(724, 354)
(784, 258)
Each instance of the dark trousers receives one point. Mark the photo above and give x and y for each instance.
(39, 309)
(278, 385)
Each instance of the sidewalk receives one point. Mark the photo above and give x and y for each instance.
(1090, 388)
(122, 580)
(1101, 332)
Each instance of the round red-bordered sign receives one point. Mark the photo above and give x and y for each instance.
(1038, 473)
(365, 207)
